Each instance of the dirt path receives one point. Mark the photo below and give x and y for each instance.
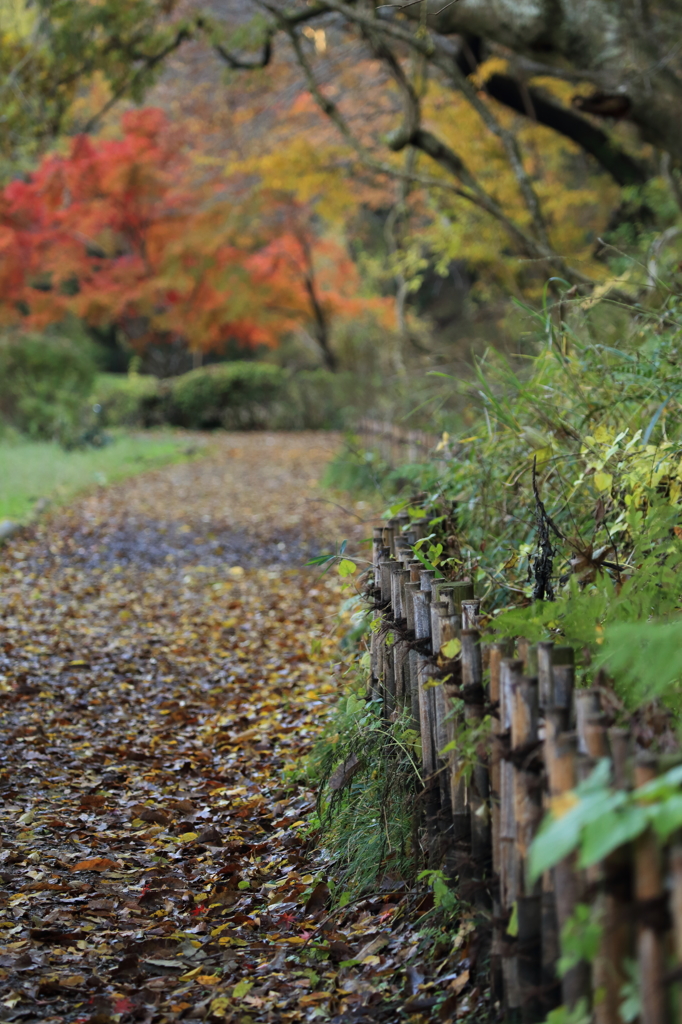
(165, 660)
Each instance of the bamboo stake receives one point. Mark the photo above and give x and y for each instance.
(415, 569)
(470, 614)
(479, 789)
(676, 914)
(408, 608)
(528, 811)
(421, 600)
(426, 577)
(568, 881)
(396, 594)
(545, 684)
(587, 705)
(649, 893)
(619, 742)
(563, 677)
(385, 569)
(510, 675)
(497, 652)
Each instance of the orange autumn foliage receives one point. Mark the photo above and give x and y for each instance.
(124, 232)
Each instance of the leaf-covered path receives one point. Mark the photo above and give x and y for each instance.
(165, 659)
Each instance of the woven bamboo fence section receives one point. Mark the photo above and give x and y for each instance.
(546, 736)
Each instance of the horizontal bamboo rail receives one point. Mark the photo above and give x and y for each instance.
(477, 826)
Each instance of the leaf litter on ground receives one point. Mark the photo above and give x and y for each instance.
(167, 662)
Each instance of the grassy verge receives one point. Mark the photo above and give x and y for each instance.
(35, 470)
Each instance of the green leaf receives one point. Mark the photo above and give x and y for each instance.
(609, 831)
(513, 926)
(242, 988)
(668, 817)
(346, 567)
(320, 560)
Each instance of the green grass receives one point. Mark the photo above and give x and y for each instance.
(34, 470)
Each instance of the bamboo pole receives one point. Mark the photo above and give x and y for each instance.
(527, 811)
(385, 570)
(587, 704)
(563, 677)
(545, 682)
(650, 897)
(396, 595)
(569, 885)
(676, 915)
(511, 672)
(497, 652)
(470, 614)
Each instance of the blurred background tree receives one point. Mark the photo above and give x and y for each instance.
(443, 159)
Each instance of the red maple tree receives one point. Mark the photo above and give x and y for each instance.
(125, 232)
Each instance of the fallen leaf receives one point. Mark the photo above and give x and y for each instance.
(95, 864)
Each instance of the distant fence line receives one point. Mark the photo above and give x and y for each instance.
(545, 737)
(395, 443)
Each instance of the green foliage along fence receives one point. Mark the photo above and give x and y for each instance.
(562, 829)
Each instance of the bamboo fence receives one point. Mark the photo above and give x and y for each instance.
(395, 444)
(478, 826)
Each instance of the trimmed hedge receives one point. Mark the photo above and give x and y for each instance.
(44, 384)
(235, 396)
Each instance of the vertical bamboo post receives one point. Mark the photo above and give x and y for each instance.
(545, 684)
(676, 915)
(497, 652)
(512, 670)
(649, 894)
(421, 600)
(620, 742)
(427, 729)
(568, 881)
(396, 602)
(385, 569)
(556, 722)
(415, 568)
(389, 534)
(448, 626)
(528, 811)
(470, 614)
(563, 677)
(587, 705)
(473, 694)
(426, 578)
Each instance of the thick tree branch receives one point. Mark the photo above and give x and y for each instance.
(529, 245)
(423, 43)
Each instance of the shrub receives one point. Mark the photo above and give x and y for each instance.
(44, 383)
(129, 400)
(236, 395)
(320, 400)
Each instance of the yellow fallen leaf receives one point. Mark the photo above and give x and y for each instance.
(188, 837)
(191, 974)
(220, 1005)
(73, 981)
